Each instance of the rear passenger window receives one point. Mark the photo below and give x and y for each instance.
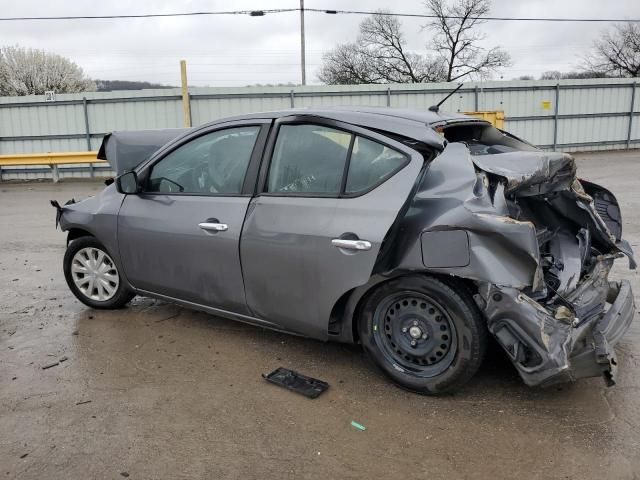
(308, 159)
(312, 159)
(371, 164)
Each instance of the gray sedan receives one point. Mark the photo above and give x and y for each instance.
(414, 233)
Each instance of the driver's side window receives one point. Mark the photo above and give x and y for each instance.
(211, 164)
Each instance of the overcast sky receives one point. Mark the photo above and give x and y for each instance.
(241, 50)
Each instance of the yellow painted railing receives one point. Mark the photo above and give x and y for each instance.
(57, 158)
(53, 160)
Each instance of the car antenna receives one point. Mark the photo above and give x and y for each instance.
(436, 108)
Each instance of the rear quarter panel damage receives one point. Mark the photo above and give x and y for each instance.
(454, 198)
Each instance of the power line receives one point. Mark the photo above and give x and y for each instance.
(252, 13)
(261, 13)
(458, 17)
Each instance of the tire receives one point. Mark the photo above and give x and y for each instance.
(424, 333)
(105, 290)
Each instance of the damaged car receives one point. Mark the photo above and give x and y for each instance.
(417, 234)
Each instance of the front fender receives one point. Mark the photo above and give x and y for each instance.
(97, 215)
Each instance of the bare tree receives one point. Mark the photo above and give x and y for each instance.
(347, 65)
(617, 53)
(551, 75)
(456, 38)
(584, 74)
(557, 75)
(33, 72)
(379, 55)
(113, 85)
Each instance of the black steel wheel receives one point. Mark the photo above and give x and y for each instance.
(427, 335)
(416, 332)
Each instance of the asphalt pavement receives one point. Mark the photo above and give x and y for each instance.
(158, 391)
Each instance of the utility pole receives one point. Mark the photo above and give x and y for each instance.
(186, 103)
(302, 61)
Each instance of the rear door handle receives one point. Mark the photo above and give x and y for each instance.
(351, 244)
(214, 227)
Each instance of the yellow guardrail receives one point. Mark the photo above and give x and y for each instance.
(56, 158)
(496, 118)
(53, 160)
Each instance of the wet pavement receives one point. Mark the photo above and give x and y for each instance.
(159, 391)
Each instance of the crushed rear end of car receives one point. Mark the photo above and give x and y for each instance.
(564, 325)
(537, 244)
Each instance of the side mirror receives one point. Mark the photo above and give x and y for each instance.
(127, 183)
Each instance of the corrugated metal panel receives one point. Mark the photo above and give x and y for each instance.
(583, 130)
(207, 110)
(45, 145)
(43, 120)
(538, 132)
(27, 124)
(519, 103)
(106, 117)
(595, 100)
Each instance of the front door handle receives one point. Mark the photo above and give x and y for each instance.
(351, 244)
(214, 227)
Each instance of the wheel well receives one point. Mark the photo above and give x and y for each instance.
(337, 317)
(342, 303)
(343, 323)
(75, 233)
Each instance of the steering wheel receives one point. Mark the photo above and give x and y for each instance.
(202, 180)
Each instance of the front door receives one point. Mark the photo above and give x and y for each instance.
(330, 193)
(180, 236)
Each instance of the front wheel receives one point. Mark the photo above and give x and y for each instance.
(93, 276)
(426, 335)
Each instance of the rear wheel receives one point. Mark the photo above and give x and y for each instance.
(93, 276)
(427, 335)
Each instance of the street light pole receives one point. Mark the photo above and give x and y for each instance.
(302, 60)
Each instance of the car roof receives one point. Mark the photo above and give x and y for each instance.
(407, 122)
(423, 116)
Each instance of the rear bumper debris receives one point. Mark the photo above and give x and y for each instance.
(611, 327)
(572, 343)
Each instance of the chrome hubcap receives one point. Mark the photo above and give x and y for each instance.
(95, 274)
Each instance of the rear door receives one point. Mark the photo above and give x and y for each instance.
(180, 236)
(328, 194)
